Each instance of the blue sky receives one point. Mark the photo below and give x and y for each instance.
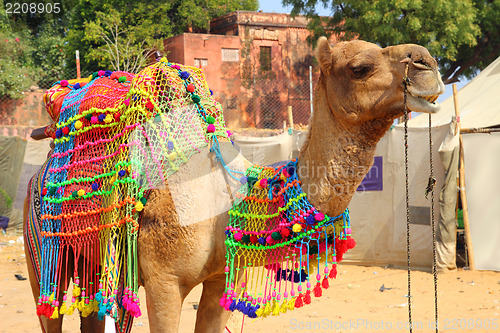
(270, 6)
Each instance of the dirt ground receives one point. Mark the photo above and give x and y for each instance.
(468, 302)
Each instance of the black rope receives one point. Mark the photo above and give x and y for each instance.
(430, 186)
(406, 81)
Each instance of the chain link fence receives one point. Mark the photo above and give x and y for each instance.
(274, 104)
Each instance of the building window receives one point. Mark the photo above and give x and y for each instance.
(231, 55)
(265, 58)
(200, 63)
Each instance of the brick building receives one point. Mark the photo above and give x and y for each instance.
(256, 63)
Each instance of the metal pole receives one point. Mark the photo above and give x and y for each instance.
(78, 64)
(311, 89)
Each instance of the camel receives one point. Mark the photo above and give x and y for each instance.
(181, 240)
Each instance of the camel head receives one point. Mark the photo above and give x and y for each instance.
(364, 82)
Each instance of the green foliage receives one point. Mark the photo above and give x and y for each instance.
(462, 35)
(126, 48)
(144, 21)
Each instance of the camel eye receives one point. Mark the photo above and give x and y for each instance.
(361, 71)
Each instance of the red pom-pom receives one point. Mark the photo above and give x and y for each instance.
(351, 243)
(298, 302)
(44, 191)
(65, 130)
(307, 297)
(325, 283)
(117, 116)
(253, 239)
(149, 105)
(190, 87)
(333, 272)
(317, 290)
(114, 76)
(285, 232)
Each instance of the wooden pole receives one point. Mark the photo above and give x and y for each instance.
(290, 117)
(78, 64)
(461, 185)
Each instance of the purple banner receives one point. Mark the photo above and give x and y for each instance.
(374, 180)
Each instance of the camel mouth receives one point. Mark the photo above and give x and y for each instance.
(425, 104)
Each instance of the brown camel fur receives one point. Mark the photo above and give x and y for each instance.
(358, 95)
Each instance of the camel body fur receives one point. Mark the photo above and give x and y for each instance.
(181, 241)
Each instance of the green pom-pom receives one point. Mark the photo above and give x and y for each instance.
(122, 79)
(276, 235)
(196, 98)
(251, 181)
(245, 239)
(75, 194)
(88, 116)
(143, 200)
(94, 75)
(210, 120)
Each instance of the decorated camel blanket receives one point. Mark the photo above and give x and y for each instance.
(118, 135)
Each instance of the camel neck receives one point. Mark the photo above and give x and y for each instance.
(336, 157)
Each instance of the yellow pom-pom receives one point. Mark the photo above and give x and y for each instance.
(291, 304)
(76, 291)
(55, 314)
(276, 308)
(113, 179)
(51, 298)
(78, 124)
(297, 227)
(267, 310)
(139, 206)
(284, 306)
(64, 308)
(71, 309)
(108, 119)
(80, 305)
(257, 185)
(81, 192)
(259, 312)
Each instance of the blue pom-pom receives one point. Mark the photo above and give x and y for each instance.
(247, 309)
(232, 307)
(261, 240)
(121, 173)
(244, 180)
(184, 75)
(58, 133)
(310, 219)
(211, 92)
(76, 86)
(108, 73)
(101, 117)
(95, 186)
(170, 145)
(228, 233)
(251, 312)
(291, 170)
(241, 306)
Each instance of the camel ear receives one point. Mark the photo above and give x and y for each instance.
(324, 54)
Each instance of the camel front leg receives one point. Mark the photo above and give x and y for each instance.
(164, 298)
(211, 317)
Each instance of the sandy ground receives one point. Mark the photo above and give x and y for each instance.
(468, 302)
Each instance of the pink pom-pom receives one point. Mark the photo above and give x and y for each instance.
(299, 288)
(94, 120)
(101, 73)
(254, 302)
(326, 270)
(211, 128)
(17, 39)
(226, 269)
(238, 236)
(64, 83)
(263, 182)
(319, 217)
(126, 101)
(292, 293)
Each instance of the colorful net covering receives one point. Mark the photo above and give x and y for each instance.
(117, 136)
(275, 242)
